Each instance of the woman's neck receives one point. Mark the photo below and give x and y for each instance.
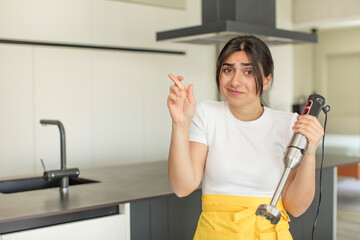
(247, 113)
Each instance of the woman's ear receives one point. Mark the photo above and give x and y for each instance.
(267, 81)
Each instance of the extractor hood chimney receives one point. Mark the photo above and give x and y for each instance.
(225, 19)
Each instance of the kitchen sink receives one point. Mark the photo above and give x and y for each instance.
(36, 183)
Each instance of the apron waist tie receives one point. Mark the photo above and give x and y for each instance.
(237, 216)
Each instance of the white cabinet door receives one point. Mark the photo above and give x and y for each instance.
(104, 228)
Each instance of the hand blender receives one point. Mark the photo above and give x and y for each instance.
(292, 159)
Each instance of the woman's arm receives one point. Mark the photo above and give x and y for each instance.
(185, 164)
(299, 189)
(186, 159)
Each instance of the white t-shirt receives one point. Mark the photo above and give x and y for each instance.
(244, 158)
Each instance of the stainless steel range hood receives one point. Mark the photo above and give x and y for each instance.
(224, 19)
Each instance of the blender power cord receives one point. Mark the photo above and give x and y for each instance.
(325, 109)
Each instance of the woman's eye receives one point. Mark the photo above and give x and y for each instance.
(248, 72)
(227, 70)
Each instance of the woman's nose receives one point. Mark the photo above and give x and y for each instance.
(237, 80)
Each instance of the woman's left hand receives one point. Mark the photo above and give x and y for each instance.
(310, 127)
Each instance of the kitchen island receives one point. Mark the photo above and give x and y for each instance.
(116, 186)
(154, 213)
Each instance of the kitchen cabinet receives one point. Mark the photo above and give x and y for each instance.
(105, 228)
(352, 170)
(165, 218)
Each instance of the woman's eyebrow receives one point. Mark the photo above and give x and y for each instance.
(233, 64)
(246, 64)
(228, 64)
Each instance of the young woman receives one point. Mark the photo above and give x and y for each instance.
(236, 147)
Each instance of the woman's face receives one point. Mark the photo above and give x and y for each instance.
(237, 81)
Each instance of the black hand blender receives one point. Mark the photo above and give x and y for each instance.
(292, 159)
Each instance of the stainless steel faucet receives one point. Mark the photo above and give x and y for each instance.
(63, 174)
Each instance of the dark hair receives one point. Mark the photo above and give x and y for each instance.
(258, 54)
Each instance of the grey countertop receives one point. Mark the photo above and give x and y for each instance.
(333, 160)
(117, 184)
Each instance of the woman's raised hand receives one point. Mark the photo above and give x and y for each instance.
(181, 101)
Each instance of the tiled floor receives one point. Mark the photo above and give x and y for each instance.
(348, 212)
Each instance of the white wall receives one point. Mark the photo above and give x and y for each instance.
(330, 67)
(281, 93)
(326, 13)
(112, 103)
(337, 65)
(304, 72)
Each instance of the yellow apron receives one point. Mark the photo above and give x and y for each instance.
(232, 217)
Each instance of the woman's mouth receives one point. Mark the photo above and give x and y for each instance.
(233, 92)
